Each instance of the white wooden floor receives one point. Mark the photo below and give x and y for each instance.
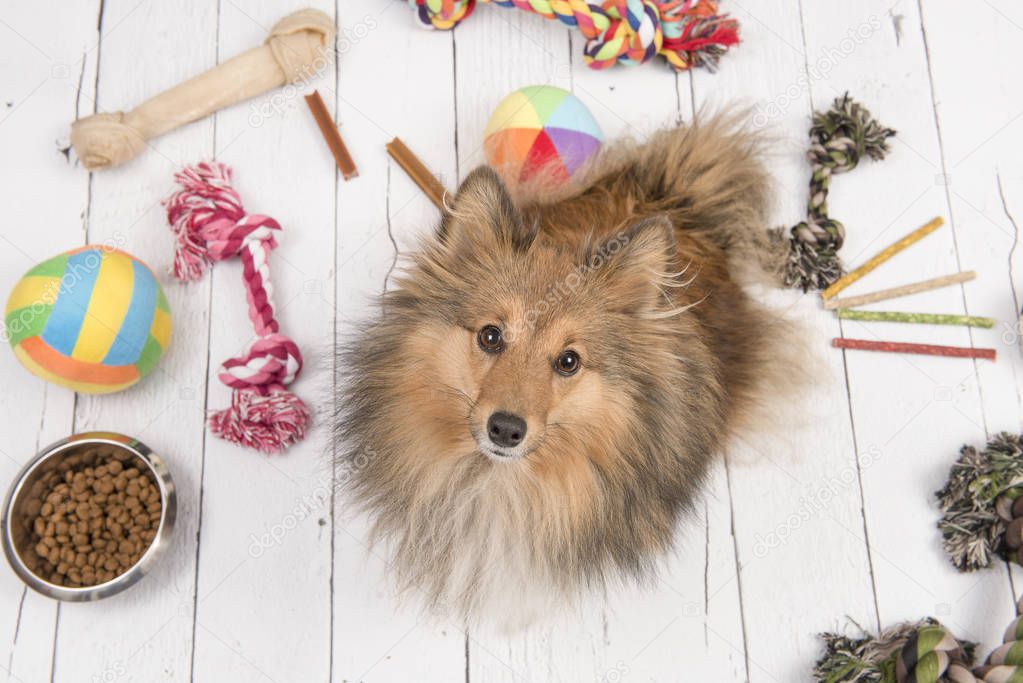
(269, 578)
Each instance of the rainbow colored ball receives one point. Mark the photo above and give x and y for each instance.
(92, 319)
(541, 128)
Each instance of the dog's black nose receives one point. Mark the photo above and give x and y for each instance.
(506, 429)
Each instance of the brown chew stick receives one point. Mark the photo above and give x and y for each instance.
(331, 135)
(419, 174)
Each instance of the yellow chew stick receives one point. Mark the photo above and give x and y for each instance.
(882, 256)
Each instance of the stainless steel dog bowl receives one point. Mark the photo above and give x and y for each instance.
(16, 521)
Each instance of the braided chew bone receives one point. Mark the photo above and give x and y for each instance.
(295, 50)
(922, 652)
(982, 514)
(687, 32)
(210, 224)
(840, 137)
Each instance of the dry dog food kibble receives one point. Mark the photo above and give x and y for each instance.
(92, 517)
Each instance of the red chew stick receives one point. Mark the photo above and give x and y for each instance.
(901, 347)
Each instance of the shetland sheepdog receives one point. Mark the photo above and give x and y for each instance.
(533, 411)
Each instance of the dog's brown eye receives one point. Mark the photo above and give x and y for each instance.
(490, 339)
(567, 363)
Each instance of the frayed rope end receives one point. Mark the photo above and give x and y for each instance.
(268, 423)
(205, 196)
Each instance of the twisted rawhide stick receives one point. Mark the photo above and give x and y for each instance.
(982, 504)
(211, 224)
(295, 50)
(840, 137)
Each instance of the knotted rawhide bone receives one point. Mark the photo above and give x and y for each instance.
(687, 32)
(210, 224)
(297, 48)
(922, 652)
(982, 514)
(840, 137)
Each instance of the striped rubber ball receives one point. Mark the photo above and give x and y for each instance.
(92, 319)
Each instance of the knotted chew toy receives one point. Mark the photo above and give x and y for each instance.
(296, 49)
(687, 32)
(982, 504)
(921, 652)
(210, 224)
(840, 137)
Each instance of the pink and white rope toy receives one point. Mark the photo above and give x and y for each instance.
(210, 224)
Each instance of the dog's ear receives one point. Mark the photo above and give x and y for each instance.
(635, 263)
(481, 211)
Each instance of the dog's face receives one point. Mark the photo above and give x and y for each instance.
(528, 376)
(520, 342)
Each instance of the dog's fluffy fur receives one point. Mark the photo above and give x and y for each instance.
(639, 271)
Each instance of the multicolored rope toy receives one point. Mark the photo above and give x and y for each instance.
(210, 224)
(982, 504)
(921, 652)
(840, 137)
(687, 32)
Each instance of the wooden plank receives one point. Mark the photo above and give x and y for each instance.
(263, 607)
(376, 637)
(982, 178)
(146, 632)
(537, 53)
(798, 526)
(914, 412)
(46, 55)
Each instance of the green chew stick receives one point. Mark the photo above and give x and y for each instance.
(920, 318)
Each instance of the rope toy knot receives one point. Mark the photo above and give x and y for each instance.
(267, 365)
(824, 233)
(210, 224)
(687, 32)
(626, 31)
(205, 204)
(441, 14)
(982, 504)
(225, 238)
